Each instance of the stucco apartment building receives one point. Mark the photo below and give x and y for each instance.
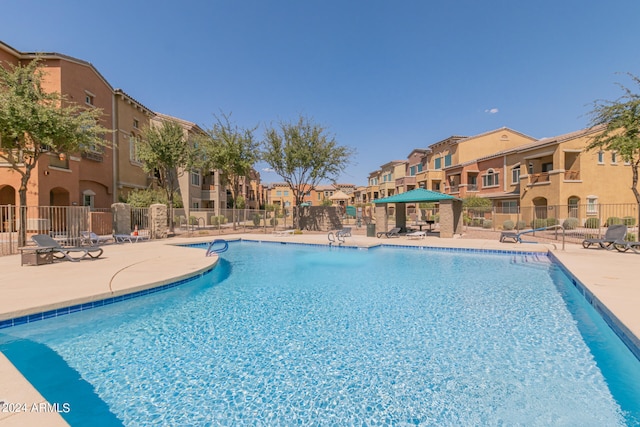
(63, 179)
(547, 178)
(109, 173)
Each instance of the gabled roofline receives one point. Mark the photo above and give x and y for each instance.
(29, 56)
(135, 101)
(541, 143)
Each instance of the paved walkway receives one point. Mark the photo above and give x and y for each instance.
(125, 268)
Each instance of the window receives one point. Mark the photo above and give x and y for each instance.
(412, 171)
(88, 198)
(279, 193)
(136, 124)
(491, 179)
(447, 160)
(133, 151)
(515, 175)
(614, 157)
(601, 157)
(195, 178)
(89, 98)
(196, 205)
(286, 193)
(592, 205)
(572, 207)
(509, 206)
(419, 167)
(437, 163)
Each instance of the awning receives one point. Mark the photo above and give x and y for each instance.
(419, 195)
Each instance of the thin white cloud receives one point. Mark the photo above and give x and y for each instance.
(267, 170)
(491, 111)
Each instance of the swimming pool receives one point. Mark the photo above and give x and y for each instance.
(288, 334)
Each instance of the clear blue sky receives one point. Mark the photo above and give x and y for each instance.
(385, 76)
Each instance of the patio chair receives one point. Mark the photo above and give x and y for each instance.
(59, 252)
(622, 246)
(344, 232)
(613, 233)
(131, 238)
(91, 238)
(394, 232)
(417, 235)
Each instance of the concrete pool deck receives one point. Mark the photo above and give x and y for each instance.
(124, 268)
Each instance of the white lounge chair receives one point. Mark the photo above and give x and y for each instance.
(91, 238)
(123, 238)
(417, 235)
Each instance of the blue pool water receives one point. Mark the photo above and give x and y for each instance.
(290, 334)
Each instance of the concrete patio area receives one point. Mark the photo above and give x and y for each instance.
(129, 267)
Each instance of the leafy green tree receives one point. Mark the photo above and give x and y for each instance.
(620, 123)
(33, 122)
(148, 197)
(166, 152)
(476, 202)
(304, 155)
(233, 151)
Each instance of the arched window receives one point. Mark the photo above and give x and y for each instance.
(572, 206)
(491, 178)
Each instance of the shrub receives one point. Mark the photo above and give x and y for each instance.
(613, 220)
(273, 221)
(552, 222)
(629, 221)
(570, 223)
(539, 223)
(256, 219)
(193, 220)
(487, 223)
(218, 220)
(521, 225)
(476, 222)
(592, 223)
(508, 225)
(630, 237)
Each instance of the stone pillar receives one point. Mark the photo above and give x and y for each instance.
(382, 217)
(121, 218)
(158, 221)
(450, 217)
(401, 216)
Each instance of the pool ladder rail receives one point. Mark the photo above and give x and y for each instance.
(337, 237)
(211, 250)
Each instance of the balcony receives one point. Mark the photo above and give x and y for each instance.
(93, 155)
(472, 187)
(539, 178)
(571, 175)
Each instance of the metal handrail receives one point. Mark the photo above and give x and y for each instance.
(547, 228)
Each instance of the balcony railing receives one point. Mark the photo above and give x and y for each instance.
(571, 175)
(472, 187)
(539, 177)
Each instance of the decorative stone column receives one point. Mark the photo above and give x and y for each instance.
(450, 217)
(382, 217)
(158, 221)
(121, 218)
